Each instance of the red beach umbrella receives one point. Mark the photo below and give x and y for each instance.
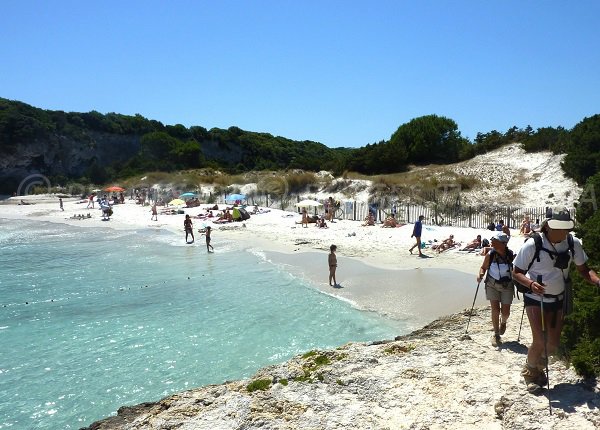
(114, 189)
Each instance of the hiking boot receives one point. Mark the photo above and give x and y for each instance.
(534, 378)
(496, 340)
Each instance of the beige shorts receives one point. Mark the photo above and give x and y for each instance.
(502, 293)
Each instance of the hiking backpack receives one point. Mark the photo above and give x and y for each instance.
(538, 248)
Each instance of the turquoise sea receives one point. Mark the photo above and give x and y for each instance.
(93, 319)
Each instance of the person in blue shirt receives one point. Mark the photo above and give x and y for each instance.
(500, 225)
(417, 229)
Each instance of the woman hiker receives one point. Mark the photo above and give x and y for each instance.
(542, 266)
(499, 288)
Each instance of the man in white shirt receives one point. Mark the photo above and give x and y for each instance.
(546, 280)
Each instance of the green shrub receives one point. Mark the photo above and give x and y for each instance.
(321, 360)
(581, 333)
(259, 384)
(309, 354)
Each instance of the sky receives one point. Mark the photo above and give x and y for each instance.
(343, 73)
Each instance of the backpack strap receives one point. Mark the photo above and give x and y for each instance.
(538, 247)
(571, 245)
(492, 255)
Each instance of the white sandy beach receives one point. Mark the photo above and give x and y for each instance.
(375, 270)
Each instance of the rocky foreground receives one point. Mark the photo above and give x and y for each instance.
(434, 378)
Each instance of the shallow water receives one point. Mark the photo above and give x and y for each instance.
(91, 320)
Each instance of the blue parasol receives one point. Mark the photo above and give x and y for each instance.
(234, 197)
(187, 195)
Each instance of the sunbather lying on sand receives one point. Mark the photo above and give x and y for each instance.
(369, 220)
(446, 244)
(390, 222)
(473, 245)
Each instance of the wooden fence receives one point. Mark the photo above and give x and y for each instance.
(455, 215)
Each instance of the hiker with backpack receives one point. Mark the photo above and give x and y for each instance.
(499, 290)
(541, 272)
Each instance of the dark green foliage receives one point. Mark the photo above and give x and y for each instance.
(583, 154)
(427, 139)
(588, 200)
(20, 123)
(547, 139)
(115, 138)
(581, 333)
(259, 384)
(163, 148)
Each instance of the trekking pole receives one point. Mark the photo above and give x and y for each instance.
(472, 306)
(521, 325)
(539, 281)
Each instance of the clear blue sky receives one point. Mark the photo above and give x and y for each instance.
(343, 73)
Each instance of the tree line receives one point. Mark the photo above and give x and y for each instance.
(423, 140)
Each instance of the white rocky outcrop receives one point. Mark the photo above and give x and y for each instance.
(434, 378)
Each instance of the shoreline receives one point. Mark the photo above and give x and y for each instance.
(376, 271)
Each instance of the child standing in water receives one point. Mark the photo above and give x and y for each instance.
(209, 247)
(332, 265)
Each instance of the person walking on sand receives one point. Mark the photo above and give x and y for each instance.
(332, 260)
(542, 267)
(188, 227)
(417, 229)
(154, 216)
(207, 232)
(61, 204)
(499, 290)
(304, 218)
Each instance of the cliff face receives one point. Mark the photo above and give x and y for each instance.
(65, 156)
(435, 378)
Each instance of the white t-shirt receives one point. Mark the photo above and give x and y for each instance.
(552, 277)
(498, 268)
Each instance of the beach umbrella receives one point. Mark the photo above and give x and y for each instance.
(234, 197)
(114, 189)
(308, 204)
(187, 195)
(176, 202)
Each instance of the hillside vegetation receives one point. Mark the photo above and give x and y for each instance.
(95, 148)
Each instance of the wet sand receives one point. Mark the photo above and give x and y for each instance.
(414, 296)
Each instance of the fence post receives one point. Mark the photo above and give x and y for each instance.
(470, 217)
